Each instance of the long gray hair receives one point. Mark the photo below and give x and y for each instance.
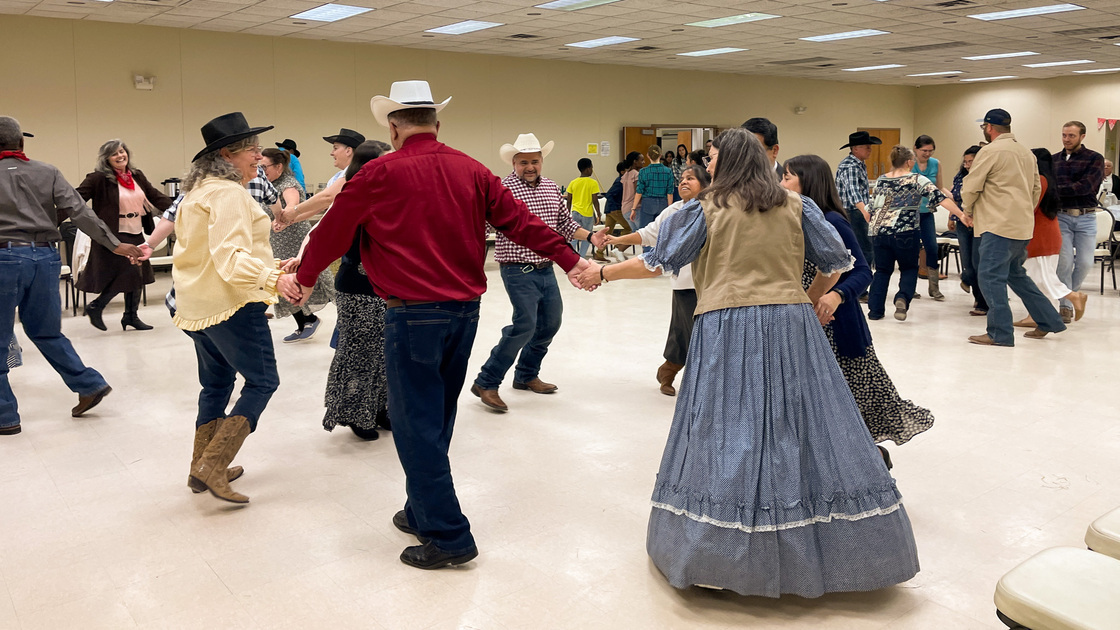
(743, 171)
(213, 164)
(107, 150)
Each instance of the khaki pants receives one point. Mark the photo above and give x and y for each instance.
(611, 220)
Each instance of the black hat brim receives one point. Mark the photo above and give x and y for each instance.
(348, 141)
(228, 140)
(290, 149)
(28, 135)
(873, 141)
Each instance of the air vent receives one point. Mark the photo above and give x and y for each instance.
(523, 36)
(798, 62)
(1095, 32)
(929, 47)
(953, 4)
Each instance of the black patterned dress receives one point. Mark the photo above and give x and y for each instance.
(887, 415)
(286, 244)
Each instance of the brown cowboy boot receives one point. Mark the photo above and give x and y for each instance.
(665, 375)
(211, 470)
(202, 437)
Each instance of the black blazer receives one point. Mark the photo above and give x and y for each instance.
(102, 193)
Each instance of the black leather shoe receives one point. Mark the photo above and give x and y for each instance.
(12, 430)
(368, 435)
(85, 403)
(383, 421)
(429, 556)
(400, 521)
(130, 319)
(93, 311)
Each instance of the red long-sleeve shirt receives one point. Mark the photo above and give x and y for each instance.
(424, 211)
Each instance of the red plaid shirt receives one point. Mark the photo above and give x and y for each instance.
(543, 200)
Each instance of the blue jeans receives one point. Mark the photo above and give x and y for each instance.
(928, 227)
(650, 208)
(891, 248)
(969, 245)
(587, 223)
(427, 347)
(29, 282)
(240, 345)
(1001, 266)
(1076, 258)
(537, 313)
(859, 226)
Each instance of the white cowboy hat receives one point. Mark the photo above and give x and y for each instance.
(525, 143)
(404, 95)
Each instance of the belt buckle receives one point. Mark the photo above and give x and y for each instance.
(528, 268)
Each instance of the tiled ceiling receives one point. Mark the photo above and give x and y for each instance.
(924, 36)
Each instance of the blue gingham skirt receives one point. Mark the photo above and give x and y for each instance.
(770, 483)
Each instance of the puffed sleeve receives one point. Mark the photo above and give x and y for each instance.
(680, 240)
(823, 245)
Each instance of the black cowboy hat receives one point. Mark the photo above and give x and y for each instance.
(225, 130)
(861, 138)
(289, 145)
(349, 137)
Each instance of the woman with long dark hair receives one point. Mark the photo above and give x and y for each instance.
(836, 301)
(770, 483)
(967, 241)
(679, 161)
(1046, 244)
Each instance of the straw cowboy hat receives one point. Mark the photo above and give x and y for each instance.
(525, 143)
(404, 95)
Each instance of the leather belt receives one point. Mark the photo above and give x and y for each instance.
(7, 244)
(1077, 212)
(527, 267)
(130, 215)
(399, 303)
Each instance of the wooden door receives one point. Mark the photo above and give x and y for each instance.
(880, 160)
(637, 139)
(685, 138)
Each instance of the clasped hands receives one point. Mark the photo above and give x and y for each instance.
(134, 254)
(290, 288)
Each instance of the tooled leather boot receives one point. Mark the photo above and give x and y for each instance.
(202, 437)
(665, 375)
(212, 468)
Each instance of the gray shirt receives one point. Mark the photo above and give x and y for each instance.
(31, 193)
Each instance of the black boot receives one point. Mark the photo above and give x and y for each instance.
(131, 304)
(93, 311)
(383, 419)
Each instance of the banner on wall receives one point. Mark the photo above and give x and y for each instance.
(1111, 123)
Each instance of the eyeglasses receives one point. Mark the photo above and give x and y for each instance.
(255, 149)
(983, 125)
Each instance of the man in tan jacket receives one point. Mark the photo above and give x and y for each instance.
(1001, 192)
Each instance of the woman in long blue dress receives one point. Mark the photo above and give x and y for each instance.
(770, 483)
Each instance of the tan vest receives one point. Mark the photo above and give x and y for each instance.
(750, 258)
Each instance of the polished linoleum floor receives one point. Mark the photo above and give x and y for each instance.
(100, 531)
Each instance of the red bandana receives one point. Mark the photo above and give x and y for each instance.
(125, 179)
(16, 154)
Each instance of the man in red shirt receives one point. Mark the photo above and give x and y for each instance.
(424, 210)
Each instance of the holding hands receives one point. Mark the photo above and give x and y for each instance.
(147, 252)
(583, 268)
(825, 307)
(590, 277)
(132, 252)
(599, 239)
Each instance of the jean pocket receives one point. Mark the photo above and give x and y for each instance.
(425, 340)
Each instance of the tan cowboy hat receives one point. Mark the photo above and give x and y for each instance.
(404, 95)
(525, 143)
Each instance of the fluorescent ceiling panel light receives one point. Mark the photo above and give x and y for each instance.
(1001, 56)
(884, 67)
(1051, 64)
(846, 35)
(602, 41)
(468, 26)
(734, 19)
(573, 5)
(330, 13)
(935, 74)
(711, 51)
(1018, 13)
(987, 79)
(1097, 70)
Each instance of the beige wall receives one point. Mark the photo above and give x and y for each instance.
(1038, 110)
(73, 88)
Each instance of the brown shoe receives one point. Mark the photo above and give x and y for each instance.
(665, 375)
(984, 340)
(212, 470)
(1037, 333)
(1067, 314)
(536, 385)
(976, 312)
(1026, 322)
(490, 398)
(202, 437)
(1078, 299)
(85, 403)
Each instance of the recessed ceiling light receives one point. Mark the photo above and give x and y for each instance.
(467, 26)
(603, 41)
(845, 35)
(1051, 64)
(987, 79)
(734, 19)
(883, 67)
(677, 30)
(935, 74)
(573, 5)
(1097, 70)
(331, 13)
(1017, 13)
(532, 14)
(1001, 56)
(711, 51)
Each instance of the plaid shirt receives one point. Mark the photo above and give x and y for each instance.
(851, 182)
(655, 180)
(1078, 176)
(545, 201)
